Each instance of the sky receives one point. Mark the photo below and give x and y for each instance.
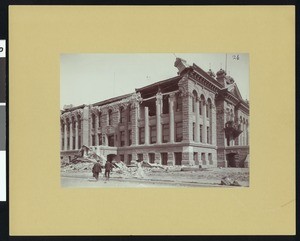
(90, 78)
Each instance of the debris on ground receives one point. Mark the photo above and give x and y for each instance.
(192, 168)
(229, 182)
(213, 175)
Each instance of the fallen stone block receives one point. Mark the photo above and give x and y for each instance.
(226, 181)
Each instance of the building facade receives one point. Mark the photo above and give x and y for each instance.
(194, 118)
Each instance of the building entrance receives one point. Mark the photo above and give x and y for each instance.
(111, 157)
(231, 161)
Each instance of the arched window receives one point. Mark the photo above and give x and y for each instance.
(202, 102)
(109, 117)
(208, 108)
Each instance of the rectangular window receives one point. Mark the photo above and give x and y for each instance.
(201, 129)
(178, 158)
(93, 121)
(142, 135)
(129, 159)
(129, 138)
(200, 108)
(140, 157)
(93, 140)
(99, 120)
(193, 104)
(194, 132)
(179, 103)
(122, 115)
(129, 114)
(62, 143)
(122, 158)
(208, 139)
(178, 131)
(164, 158)
(122, 138)
(68, 143)
(165, 109)
(73, 147)
(111, 140)
(100, 139)
(151, 157)
(210, 157)
(79, 124)
(110, 117)
(152, 134)
(203, 158)
(196, 158)
(165, 133)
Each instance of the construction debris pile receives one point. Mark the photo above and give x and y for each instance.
(83, 164)
(229, 182)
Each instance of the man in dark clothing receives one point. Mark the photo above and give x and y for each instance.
(108, 167)
(96, 170)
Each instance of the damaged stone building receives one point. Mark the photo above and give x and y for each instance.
(194, 118)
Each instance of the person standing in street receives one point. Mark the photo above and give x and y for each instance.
(108, 168)
(96, 170)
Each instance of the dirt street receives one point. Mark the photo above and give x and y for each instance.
(155, 177)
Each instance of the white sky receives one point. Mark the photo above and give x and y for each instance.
(89, 78)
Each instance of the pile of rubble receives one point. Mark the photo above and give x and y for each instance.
(229, 182)
(78, 167)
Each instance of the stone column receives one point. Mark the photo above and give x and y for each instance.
(146, 125)
(134, 123)
(247, 134)
(76, 135)
(171, 115)
(204, 134)
(96, 130)
(158, 117)
(186, 87)
(65, 136)
(213, 126)
(187, 155)
(199, 159)
(197, 124)
(221, 140)
(85, 126)
(171, 159)
(71, 136)
(145, 157)
(157, 158)
(134, 156)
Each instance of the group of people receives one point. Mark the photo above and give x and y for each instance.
(97, 170)
(108, 168)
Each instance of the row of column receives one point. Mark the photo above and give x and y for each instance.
(158, 120)
(70, 135)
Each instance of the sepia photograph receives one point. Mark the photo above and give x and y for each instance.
(154, 120)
